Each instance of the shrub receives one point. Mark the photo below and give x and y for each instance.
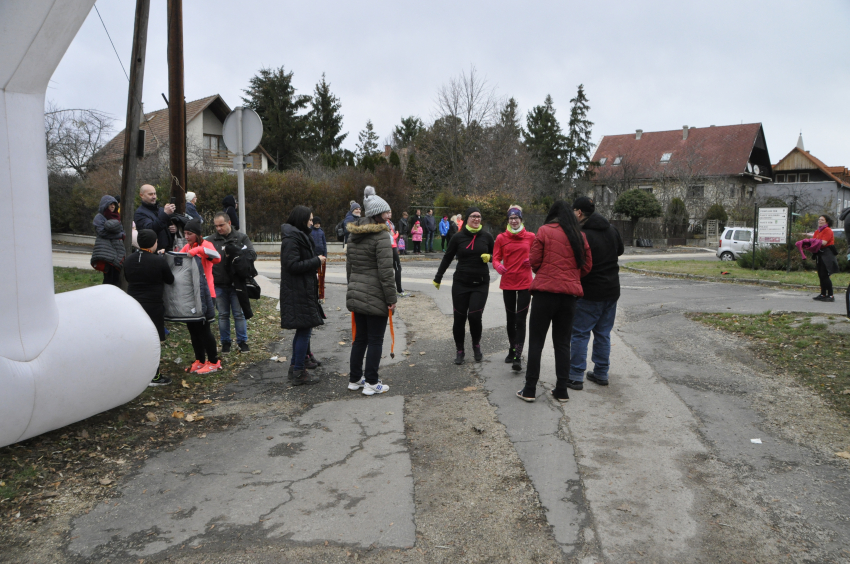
(718, 212)
(676, 218)
(776, 257)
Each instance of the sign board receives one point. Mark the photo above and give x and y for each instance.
(773, 225)
(252, 130)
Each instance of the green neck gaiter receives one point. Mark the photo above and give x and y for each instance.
(471, 230)
(511, 229)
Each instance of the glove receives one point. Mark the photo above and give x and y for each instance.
(436, 284)
(500, 268)
(485, 257)
(526, 263)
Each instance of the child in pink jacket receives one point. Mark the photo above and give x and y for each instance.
(416, 235)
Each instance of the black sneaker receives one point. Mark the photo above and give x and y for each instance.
(524, 396)
(159, 380)
(598, 381)
(303, 378)
(828, 299)
(291, 373)
(476, 353)
(575, 385)
(225, 347)
(459, 357)
(243, 347)
(516, 366)
(511, 356)
(561, 397)
(819, 298)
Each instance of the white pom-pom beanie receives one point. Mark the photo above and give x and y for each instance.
(373, 204)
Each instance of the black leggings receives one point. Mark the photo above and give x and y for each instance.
(203, 342)
(397, 268)
(516, 310)
(823, 276)
(468, 303)
(558, 310)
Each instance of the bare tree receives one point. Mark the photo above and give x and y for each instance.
(73, 136)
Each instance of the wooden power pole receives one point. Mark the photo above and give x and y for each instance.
(176, 105)
(134, 119)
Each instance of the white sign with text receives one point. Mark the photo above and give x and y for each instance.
(773, 225)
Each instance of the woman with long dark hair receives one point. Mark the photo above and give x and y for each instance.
(299, 289)
(560, 257)
(473, 248)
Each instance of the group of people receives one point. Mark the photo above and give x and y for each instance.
(157, 229)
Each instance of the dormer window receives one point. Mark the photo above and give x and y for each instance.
(665, 158)
(617, 161)
(602, 161)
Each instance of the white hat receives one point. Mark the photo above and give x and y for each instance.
(190, 196)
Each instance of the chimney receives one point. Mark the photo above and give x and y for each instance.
(387, 150)
(638, 133)
(684, 132)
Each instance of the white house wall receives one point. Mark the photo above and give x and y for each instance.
(212, 125)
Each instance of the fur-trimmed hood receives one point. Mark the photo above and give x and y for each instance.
(364, 227)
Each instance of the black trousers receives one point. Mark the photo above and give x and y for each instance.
(368, 342)
(203, 342)
(557, 310)
(468, 303)
(823, 277)
(443, 242)
(416, 246)
(397, 269)
(516, 310)
(112, 275)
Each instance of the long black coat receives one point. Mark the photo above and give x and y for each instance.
(603, 281)
(299, 285)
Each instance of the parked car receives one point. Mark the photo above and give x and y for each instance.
(734, 241)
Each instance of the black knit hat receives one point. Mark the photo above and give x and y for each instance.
(146, 238)
(469, 211)
(194, 226)
(584, 205)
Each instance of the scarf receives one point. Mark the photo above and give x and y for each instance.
(471, 230)
(111, 214)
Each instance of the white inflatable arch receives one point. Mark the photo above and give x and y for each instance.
(69, 356)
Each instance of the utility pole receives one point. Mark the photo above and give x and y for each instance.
(131, 129)
(176, 106)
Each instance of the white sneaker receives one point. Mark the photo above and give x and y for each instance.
(357, 385)
(379, 388)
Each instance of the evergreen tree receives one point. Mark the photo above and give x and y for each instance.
(545, 141)
(394, 160)
(411, 172)
(324, 121)
(367, 142)
(406, 133)
(272, 96)
(579, 145)
(509, 119)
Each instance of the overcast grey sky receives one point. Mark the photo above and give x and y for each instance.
(651, 65)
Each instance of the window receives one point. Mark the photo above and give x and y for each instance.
(617, 161)
(792, 178)
(780, 178)
(804, 177)
(742, 235)
(665, 158)
(602, 161)
(728, 234)
(214, 143)
(696, 191)
(647, 188)
(732, 191)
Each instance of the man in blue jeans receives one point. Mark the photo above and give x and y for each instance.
(595, 312)
(226, 300)
(429, 224)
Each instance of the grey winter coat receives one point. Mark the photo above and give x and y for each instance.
(369, 268)
(299, 284)
(109, 244)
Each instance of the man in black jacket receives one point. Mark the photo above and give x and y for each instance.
(226, 297)
(595, 312)
(156, 218)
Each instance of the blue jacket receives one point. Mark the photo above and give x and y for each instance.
(192, 211)
(429, 223)
(154, 217)
(444, 227)
(320, 241)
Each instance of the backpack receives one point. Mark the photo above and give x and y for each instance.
(340, 231)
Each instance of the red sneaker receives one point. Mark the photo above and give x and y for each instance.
(210, 367)
(197, 365)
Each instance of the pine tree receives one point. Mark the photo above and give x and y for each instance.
(509, 119)
(324, 121)
(367, 145)
(272, 96)
(579, 145)
(545, 141)
(395, 160)
(405, 134)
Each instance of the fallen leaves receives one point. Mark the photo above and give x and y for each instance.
(178, 414)
(205, 401)
(470, 388)
(184, 384)
(342, 343)
(150, 416)
(194, 417)
(843, 454)
(104, 481)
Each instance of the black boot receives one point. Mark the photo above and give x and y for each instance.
(476, 352)
(310, 363)
(511, 355)
(517, 362)
(303, 378)
(459, 358)
(313, 359)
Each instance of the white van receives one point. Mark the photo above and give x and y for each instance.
(734, 241)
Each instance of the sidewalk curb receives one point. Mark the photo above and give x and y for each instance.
(749, 281)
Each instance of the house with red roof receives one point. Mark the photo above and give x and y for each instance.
(701, 165)
(816, 187)
(204, 141)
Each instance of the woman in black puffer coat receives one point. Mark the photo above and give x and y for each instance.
(299, 288)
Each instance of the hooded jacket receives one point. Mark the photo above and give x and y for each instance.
(100, 219)
(554, 264)
(209, 256)
(369, 269)
(320, 241)
(513, 250)
(444, 227)
(108, 246)
(299, 285)
(603, 281)
(229, 204)
(221, 276)
(468, 247)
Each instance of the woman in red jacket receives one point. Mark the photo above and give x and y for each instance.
(560, 257)
(510, 259)
(826, 261)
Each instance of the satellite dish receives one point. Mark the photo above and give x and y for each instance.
(252, 130)
(749, 166)
(756, 169)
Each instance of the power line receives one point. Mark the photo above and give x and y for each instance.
(113, 44)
